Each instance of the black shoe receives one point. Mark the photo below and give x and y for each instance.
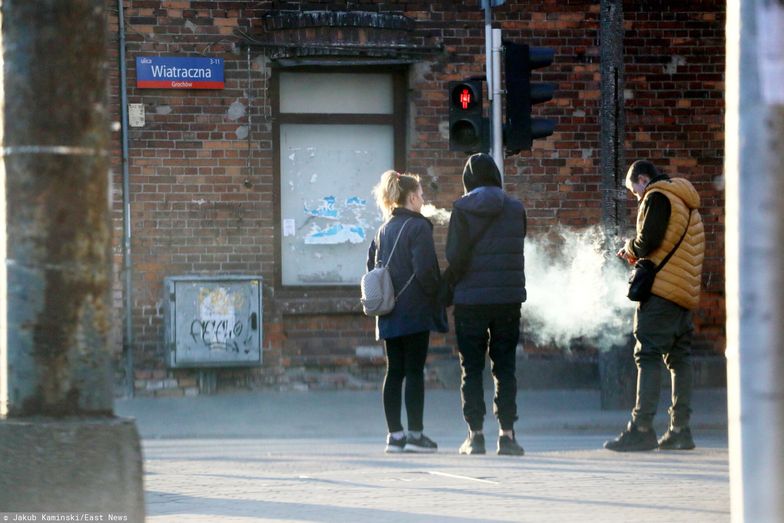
(633, 440)
(422, 444)
(474, 444)
(680, 440)
(395, 445)
(509, 447)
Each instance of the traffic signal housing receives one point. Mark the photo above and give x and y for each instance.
(467, 127)
(521, 127)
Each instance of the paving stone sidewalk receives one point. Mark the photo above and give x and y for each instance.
(562, 478)
(318, 456)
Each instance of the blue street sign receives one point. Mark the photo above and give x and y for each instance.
(168, 72)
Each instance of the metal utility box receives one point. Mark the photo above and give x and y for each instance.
(212, 321)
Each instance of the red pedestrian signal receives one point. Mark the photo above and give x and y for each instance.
(465, 98)
(465, 116)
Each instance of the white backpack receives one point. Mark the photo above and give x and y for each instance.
(378, 294)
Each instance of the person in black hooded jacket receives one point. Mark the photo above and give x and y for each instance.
(484, 248)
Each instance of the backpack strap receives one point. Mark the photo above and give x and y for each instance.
(405, 286)
(378, 245)
(378, 255)
(669, 255)
(378, 250)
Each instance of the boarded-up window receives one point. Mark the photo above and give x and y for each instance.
(337, 133)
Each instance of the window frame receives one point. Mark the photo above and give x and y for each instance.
(397, 119)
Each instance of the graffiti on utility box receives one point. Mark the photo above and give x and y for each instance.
(219, 335)
(214, 322)
(217, 326)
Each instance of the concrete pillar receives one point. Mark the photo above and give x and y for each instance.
(618, 377)
(754, 168)
(60, 446)
(617, 372)
(611, 114)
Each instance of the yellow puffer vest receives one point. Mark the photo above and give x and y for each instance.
(679, 280)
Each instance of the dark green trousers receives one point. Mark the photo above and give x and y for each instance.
(663, 331)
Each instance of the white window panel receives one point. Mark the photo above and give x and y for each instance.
(336, 93)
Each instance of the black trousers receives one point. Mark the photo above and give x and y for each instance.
(406, 357)
(476, 335)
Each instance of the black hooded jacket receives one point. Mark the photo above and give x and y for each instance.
(484, 245)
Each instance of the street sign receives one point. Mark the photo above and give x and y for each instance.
(170, 72)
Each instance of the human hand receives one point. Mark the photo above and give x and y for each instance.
(625, 256)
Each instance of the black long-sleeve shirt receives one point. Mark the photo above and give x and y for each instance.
(655, 219)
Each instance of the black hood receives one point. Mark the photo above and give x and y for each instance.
(482, 201)
(480, 171)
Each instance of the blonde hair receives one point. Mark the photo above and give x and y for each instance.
(393, 189)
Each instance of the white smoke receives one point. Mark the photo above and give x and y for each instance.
(576, 287)
(576, 290)
(440, 216)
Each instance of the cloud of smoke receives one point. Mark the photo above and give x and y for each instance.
(576, 287)
(576, 290)
(440, 216)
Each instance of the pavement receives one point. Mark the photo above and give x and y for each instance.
(318, 456)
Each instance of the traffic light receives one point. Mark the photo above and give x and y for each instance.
(521, 128)
(467, 128)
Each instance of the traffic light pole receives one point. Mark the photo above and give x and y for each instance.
(493, 79)
(489, 51)
(497, 134)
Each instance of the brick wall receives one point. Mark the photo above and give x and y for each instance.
(202, 180)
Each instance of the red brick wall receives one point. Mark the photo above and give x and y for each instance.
(202, 193)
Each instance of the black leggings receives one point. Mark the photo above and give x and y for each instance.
(406, 357)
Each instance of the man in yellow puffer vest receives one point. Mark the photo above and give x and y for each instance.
(663, 324)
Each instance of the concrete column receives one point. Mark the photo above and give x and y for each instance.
(754, 169)
(611, 115)
(617, 372)
(60, 446)
(57, 188)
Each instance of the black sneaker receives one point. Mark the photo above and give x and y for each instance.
(509, 447)
(395, 445)
(680, 440)
(633, 440)
(422, 444)
(474, 444)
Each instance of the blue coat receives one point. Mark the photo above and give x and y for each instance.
(493, 272)
(416, 309)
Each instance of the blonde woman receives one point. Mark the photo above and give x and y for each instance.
(405, 243)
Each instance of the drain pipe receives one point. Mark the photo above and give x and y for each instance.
(127, 264)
